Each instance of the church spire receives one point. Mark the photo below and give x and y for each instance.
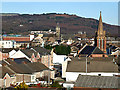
(100, 26)
(100, 39)
(58, 31)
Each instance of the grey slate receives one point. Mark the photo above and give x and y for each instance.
(97, 81)
(94, 65)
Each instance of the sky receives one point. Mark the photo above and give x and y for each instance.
(83, 9)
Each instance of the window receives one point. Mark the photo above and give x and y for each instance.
(88, 62)
(102, 44)
(99, 74)
(33, 77)
(99, 43)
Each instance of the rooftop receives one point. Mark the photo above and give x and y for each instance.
(97, 81)
(93, 65)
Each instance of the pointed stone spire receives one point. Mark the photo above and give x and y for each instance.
(100, 26)
(58, 30)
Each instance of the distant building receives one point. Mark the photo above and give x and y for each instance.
(91, 51)
(17, 38)
(7, 44)
(17, 42)
(58, 32)
(6, 52)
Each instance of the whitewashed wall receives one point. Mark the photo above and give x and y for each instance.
(64, 66)
(7, 44)
(12, 53)
(1, 82)
(19, 54)
(58, 58)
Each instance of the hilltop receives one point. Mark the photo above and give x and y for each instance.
(70, 24)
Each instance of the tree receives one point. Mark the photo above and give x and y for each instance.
(48, 47)
(62, 50)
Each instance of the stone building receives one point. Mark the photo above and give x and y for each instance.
(100, 38)
(58, 31)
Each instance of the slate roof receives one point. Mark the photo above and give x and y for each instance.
(23, 68)
(91, 50)
(6, 50)
(6, 69)
(94, 65)
(97, 51)
(22, 41)
(21, 60)
(29, 52)
(42, 51)
(98, 81)
(0, 72)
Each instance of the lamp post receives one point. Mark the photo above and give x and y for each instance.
(86, 64)
(48, 70)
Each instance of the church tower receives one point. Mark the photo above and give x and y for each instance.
(100, 36)
(58, 31)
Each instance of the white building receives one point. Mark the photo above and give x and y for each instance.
(18, 54)
(7, 44)
(64, 66)
(12, 52)
(94, 66)
(58, 58)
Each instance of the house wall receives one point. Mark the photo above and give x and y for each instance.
(47, 60)
(7, 80)
(4, 56)
(7, 44)
(52, 74)
(18, 45)
(64, 66)
(116, 52)
(47, 72)
(44, 73)
(33, 59)
(1, 82)
(12, 53)
(58, 58)
(37, 74)
(21, 44)
(72, 76)
(13, 80)
(68, 85)
(21, 77)
(19, 54)
(0, 55)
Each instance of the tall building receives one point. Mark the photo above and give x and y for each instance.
(58, 31)
(100, 39)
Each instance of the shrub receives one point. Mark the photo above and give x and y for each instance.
(22, 86)
(56, 84)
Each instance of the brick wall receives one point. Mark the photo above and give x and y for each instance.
(45, 59)
(98, 55)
